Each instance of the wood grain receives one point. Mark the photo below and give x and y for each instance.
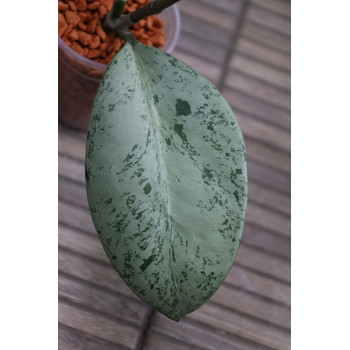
(277, 6)
(72, 339)
(207, 14)
(269, 19)
(241, 326)
(111, 304)
(264, 54)
(249, 105)
(94, 324)
(266, 37)
(258, 88)
(200, 335)
(258, 70)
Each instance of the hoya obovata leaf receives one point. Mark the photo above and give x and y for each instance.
(166, 179)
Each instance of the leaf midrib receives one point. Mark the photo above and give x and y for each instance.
(156, 117)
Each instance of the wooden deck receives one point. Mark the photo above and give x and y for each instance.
(243, 48)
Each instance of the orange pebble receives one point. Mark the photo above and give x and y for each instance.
(103, 11)
(73, 35)
(83, 17)
(91, 28)
(81, 5)
(101, 33)
(76, 47)
(72, 5)
(95, 42)
(67, 32)
(62, 6)
(94, 5)
(93, 54)
(84, 38)
(72, 18)
(62, 24)
(82, 26)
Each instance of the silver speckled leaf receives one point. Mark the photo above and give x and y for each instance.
(166, 179)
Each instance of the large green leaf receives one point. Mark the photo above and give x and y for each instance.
(166, 179)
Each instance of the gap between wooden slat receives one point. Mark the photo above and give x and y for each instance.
(207, 15)
(247, 329)
(255, 108)
(70, 338)
(275, 6)
(98, 325)
(104, 302)
(258, 88)
(268, 19)
(264, 36)
(200, 334)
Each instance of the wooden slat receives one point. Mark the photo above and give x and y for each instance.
(72, 192)
(257, 88)
(68, 167)
(277, 6)
(251, 305)
(92, 272)
(227, 6)
(268, 219)
(108, 303)
(263, 132)
(75, 217)
(268, 155)
(244, 327)
(249, 105)
(71, 339)
(267, 176)
(70, 144)
(260, 285)
(268, 19)
(266, 241)
(82, 243)
(196, 334)
(157, 342)
(207, 14)
(264, 263)
(268, 198)
(263, 53)
(89, 322)
(191, 26)
(258, 70)
(266, 37)
(202, 48)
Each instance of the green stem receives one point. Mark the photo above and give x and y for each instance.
(116, 11)
(153, 8)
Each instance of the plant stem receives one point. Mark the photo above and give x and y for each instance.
(114, 14)
(154, 7)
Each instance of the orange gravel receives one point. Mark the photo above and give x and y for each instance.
(80, 27)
